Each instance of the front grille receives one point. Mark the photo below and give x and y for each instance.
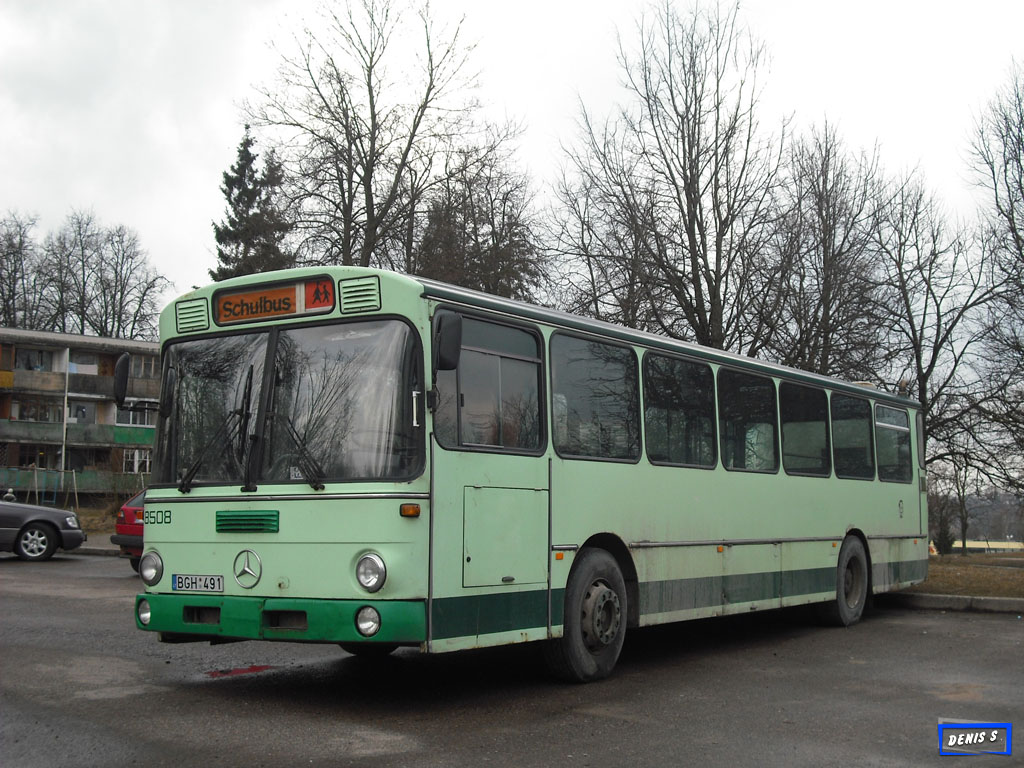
(248, 521)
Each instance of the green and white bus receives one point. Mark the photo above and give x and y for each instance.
(353, 456)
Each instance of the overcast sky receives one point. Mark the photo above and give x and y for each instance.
(131, 108)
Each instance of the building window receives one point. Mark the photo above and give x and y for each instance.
(82, 412)
(137, 460)
(36, 410)
(83, 362)
(33, 360)
(141, 414)
(145, 366)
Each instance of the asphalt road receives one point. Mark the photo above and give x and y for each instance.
(80, 686)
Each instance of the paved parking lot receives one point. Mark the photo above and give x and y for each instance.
(80, 686)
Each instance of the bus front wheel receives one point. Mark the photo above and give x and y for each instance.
(595, 620)
(851, 585)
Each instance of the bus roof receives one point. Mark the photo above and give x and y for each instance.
(557, 318)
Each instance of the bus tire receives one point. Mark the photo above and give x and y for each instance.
(595, 620)
(851, 585)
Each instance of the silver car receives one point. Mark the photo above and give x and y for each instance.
(34, 533)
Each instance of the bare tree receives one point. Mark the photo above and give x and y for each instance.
(479, 230)
(998, 161)
(94, 280)
(20, 293)
(936, 290)
(363, 126)
(126, 303)
(825, 316)
(684, 165)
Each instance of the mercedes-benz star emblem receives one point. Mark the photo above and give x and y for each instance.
(248, 569)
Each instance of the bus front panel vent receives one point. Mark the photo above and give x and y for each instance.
(248, 521)
(191, 316)
(359, 294)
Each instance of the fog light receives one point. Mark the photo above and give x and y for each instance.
(368, 621)
(151, 568)
(370, 572)
(144, 612)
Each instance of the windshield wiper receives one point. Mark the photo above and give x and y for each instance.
(185, 484)
(241, 426)
(310, 468)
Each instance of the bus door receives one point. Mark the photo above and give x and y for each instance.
(490, 480)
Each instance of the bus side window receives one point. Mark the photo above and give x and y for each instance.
(679, 411)
(493, 399)
(892, 430)
(853, 451)
(805, 449)
(600, 388)
(747, 422)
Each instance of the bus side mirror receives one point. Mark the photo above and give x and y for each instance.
(121, 368)
(447, 341)
(167, 391)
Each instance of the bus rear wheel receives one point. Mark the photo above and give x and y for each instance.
(851, 585)
(595, 620)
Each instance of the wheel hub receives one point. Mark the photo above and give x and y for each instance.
(34, 543)
(602, 615)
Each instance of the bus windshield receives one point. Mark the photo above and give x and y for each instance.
(308, 404)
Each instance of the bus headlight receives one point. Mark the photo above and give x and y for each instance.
(143, 611)
(151, 568)
(371, 572)
(368, 621)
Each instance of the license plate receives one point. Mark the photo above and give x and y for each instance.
(190, 583)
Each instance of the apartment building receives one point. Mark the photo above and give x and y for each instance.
(58, 415)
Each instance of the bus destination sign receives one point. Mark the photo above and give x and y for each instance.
(306, 297)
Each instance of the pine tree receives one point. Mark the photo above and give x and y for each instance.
(251, 238)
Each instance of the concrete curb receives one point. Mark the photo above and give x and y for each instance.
(927, 602)
(89, 549)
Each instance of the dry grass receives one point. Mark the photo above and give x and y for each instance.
(98, 520)
(979, 575)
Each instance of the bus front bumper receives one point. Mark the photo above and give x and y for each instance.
(222, 618)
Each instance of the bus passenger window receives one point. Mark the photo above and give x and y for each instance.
(679, 411)
(596, 396)
(852, 448)
(493, 399)
(747, 422)
(892, 428)
(804, 413)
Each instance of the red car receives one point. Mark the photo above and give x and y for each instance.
(129, 529)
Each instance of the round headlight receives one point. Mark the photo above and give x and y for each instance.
(367, 621)
(151, 568)
(370, 572)
(143, 611)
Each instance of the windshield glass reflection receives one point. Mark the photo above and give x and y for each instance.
(338, 407)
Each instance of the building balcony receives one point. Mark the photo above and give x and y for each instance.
(51, 486)
(14, 431)
(41, 382)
